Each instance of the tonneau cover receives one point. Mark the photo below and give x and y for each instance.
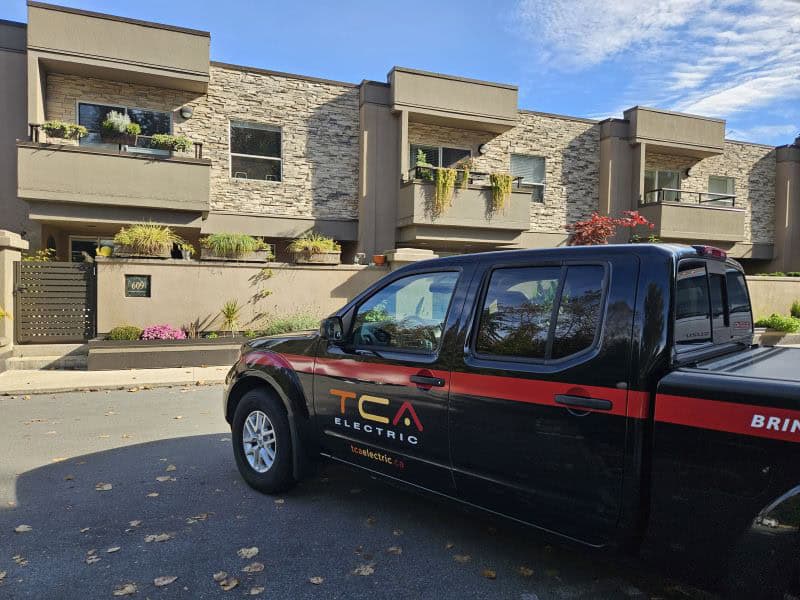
(762, 362)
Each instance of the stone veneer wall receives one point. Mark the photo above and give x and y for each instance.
(753, 168)
(319, 122)
(571, 148)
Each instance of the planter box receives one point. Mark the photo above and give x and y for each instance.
(771, 337)
(257, 256)
(318, 258)
(128, 252)
(120, 138)
(105, 355)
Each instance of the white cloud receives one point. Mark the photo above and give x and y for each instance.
(712, 57)
(786, 132)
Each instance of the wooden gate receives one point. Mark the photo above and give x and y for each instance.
(55, 302)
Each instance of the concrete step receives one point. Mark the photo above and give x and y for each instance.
(27, 363)
(49, 350)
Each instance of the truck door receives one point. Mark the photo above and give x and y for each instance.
(381, 394)
(539, 400)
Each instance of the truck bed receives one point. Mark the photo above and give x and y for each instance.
(760, 362)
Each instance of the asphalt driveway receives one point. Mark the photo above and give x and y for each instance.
(115, 490)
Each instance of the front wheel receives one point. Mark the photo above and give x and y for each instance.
(262, 442)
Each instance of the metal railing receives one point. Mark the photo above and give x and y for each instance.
(34, 135)
(662, 195)
(422, 173)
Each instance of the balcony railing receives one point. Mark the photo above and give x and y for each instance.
(420, 173)
(662, 195)
(144, 143)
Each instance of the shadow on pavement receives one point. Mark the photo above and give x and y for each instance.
(332, 524)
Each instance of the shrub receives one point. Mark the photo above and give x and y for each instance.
(125, 332)
(780, 323)
(117, 123)
(147, 239)
(795, 310)
(314, 243)
(163, 332)
(41, 255)
(176, 143)
(60, 129)
(232, 245)
(230, 313)
(4, 314)
(287, 324)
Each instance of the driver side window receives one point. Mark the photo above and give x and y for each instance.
(408, 314)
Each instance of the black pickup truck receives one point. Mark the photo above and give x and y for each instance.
(611, 395)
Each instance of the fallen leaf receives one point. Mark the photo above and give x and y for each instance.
(489, 574)
(113, 549)
(247, 552)
(397, 532)
(164, 580)
(104, 436)
(279, 501)
(160, 537)
(462, 558)
(256, 590)
(20, 560)
(171, 468)
(152, 495)
(196, 518)
(449, 546)
(103, 487)
(525, 571)
(109, 413)
(69, 477)
(178, 417)
(2, 575)
(219, 576)
(395, 550)
(364, 570)
(254, 567)
(23, 528)
(133, 389)
(50, 433)
(85, 529)
(91, 559)
(163, 478)
(125, 590)
(316, 580)
(126, 436)
(135, 523)
(228, 583)
(59, 459)
(371, 521)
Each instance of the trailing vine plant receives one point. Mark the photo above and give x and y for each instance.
(465, 164)
(445, 184)
(501, 189)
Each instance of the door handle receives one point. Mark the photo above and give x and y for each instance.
(427, 380)
(581, 402)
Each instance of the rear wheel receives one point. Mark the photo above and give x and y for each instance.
(262, 442)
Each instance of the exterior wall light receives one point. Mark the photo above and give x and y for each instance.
(186, 112)
(482, 149)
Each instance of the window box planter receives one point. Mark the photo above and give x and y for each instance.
(257, 256)
(107, 355)
(126, 139)
(318, 258)
(128, 252)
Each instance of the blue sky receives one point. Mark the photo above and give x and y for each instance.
(725, 58)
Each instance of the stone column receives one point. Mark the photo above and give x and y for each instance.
(11, 246)
(787, 208)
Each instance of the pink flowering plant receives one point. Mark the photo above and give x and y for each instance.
(163, 332)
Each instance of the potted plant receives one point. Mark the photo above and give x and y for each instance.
(147, 240)
(466, 165)
(314, 248)
(173, 143)
(424, 168)
(234, 246)
(118, 129)
(62, 130)
(379, 259)
(187, 250)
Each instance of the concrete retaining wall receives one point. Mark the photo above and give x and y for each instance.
(772, 294)
(182, 291)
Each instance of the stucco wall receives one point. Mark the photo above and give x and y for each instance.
(571, 148)
(319, 123)
(772, 294)
(183, 291)
(753, 168)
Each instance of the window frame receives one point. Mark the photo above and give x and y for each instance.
(83, 238)
(388, 352)
(717, 195)
(543, 185)
(439, 149)
(126, 108)
(657, 171)
(496, 360)
(263, 127)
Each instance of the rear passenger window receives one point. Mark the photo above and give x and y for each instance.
(579, 310)
(521, 304)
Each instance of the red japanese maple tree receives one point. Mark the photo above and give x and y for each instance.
(597, 229)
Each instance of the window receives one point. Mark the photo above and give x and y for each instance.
(516, 320)
(407, 315)
(719, 301)
(738, 304)
(721, 190)
(692, 307)
(531, 169)
(669, 181)
(92, 116)
(255, 151)
(438, 156)
(82, 249)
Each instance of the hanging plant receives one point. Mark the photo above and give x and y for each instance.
(424, 168)
(465, 165)
(501, 190)
(445, 184)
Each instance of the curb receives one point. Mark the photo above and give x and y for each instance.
(116, 387)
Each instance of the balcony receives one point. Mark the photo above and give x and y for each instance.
(693, 216)
(121, 179)
(470, 220)
(676, 133)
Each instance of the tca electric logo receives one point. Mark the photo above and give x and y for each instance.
(373, 409)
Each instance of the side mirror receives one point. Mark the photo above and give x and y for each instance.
(332, 329)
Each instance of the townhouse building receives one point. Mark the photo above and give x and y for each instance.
(277, 154)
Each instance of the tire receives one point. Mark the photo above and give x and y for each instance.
(265, 411)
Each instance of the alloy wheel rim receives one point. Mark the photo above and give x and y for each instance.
(259, 441)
